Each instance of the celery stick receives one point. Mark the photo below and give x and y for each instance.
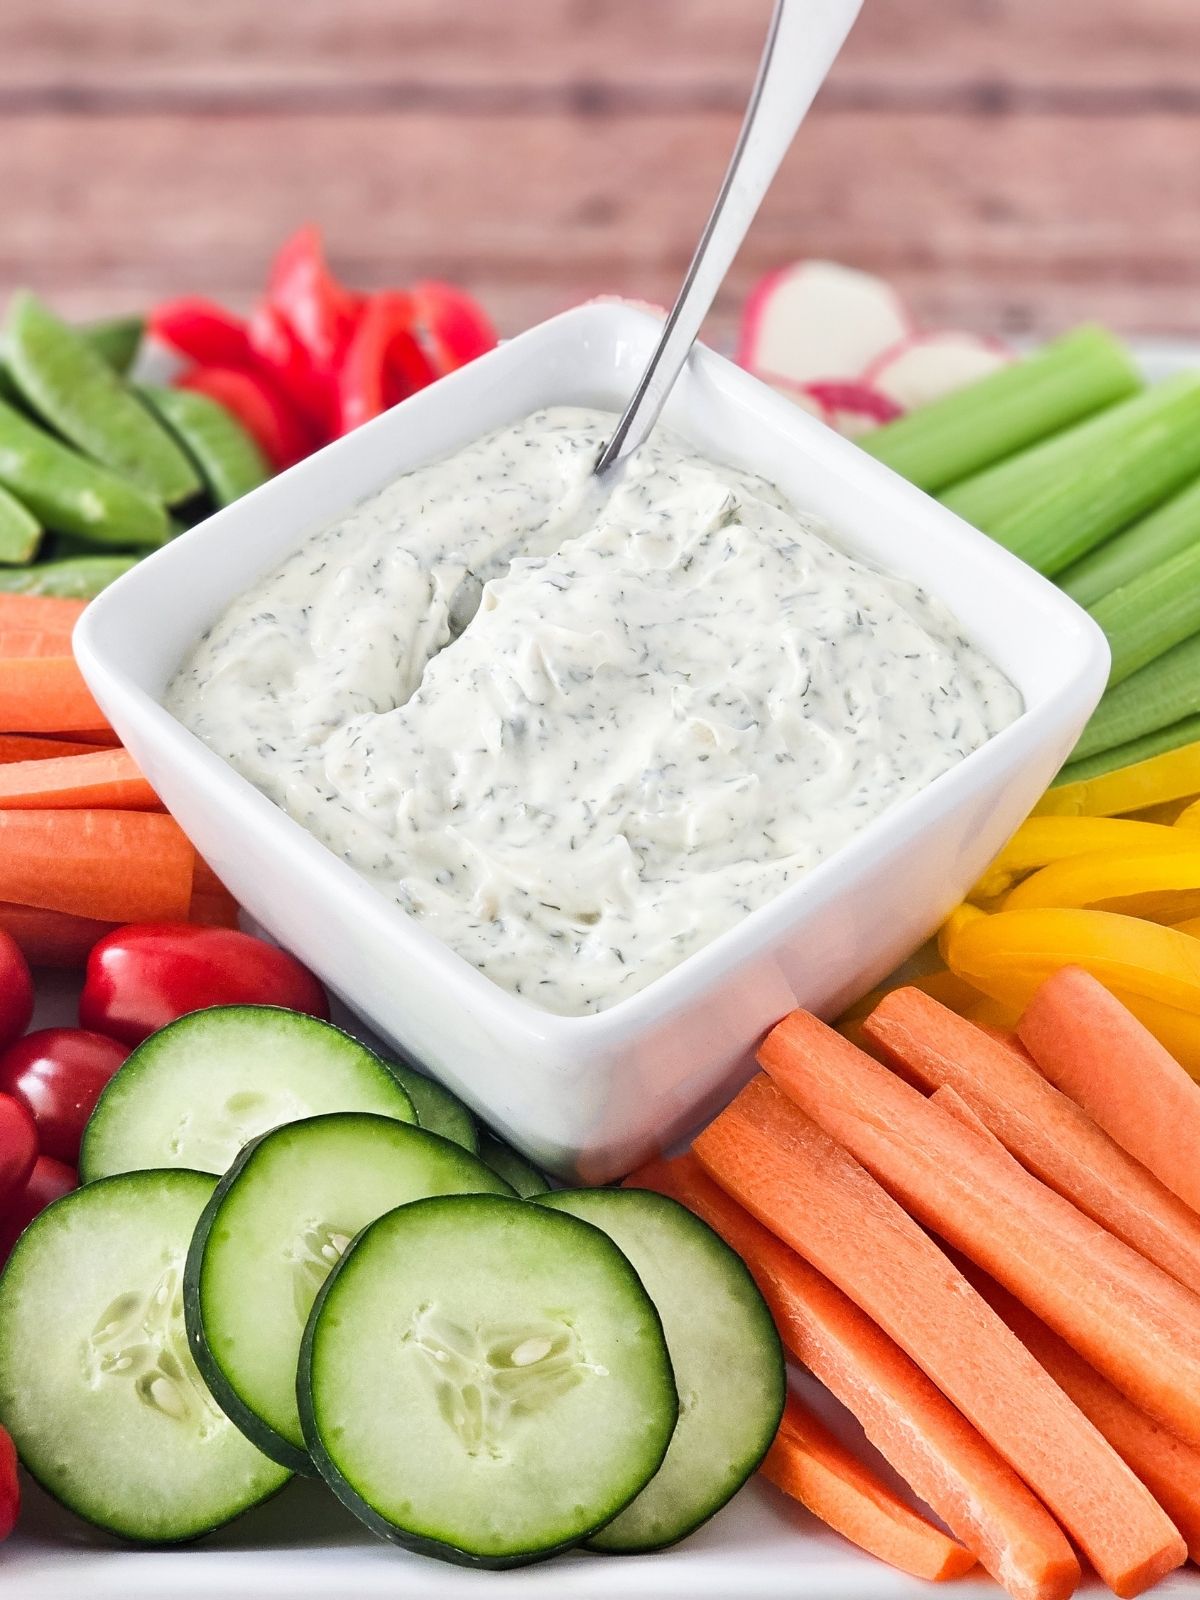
(1056, 502)
(1148, 616)
(1163, 692)
(1127, 755)
(1164, 533)
(951, 438)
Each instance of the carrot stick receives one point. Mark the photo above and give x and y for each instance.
(24, 643)
(1168, 1466)
(815, 1196)
(213, 908)
(33, 612)
(1045, 1130)
(905, 1416)
(104, 737)
(1096, 1051)
(114, 866)
(46, 695)
(52, 938)
(108, 778)
(27, 747)
(811, 1465)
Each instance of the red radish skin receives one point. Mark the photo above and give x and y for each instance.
(813, 1194)
(933, 1447)
(927, 366)
(1127, 1317)
(813, 318)
(1051, 1136)
(1093, 1049)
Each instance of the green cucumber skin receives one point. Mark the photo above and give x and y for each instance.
(370, 1518)
(231, 1403)
(511, 1166)
(26, 1241)
(438, 1110)
(599, 1200)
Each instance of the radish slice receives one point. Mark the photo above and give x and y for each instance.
(850, 407)
(813, 318)
(927, 366)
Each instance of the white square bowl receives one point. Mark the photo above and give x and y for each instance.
(590, 1096)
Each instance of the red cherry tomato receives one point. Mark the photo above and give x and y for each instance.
(18, 1146)
(57, 1074)
(141, 977)
(10, 1487)
(16, 990)
(48, 1181)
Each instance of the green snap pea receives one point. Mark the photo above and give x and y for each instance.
(68, 493)
(20, 532)
(117, 339)
(229, 460)
(81, 578)
(71, 385)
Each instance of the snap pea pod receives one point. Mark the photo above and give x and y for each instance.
(70, 384)
(80, 578)
(73, 495)
(20, 532)
(117, 339)
(229, 461)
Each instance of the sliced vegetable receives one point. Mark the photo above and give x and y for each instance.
(73, 387)
(117, 339)
(812, 1193)
(813, 1466)
(1146, 616)
(275, 1224)
(1157, 885)
(82, 577)
(266, 414)
(905, 1416)
(20, 531)
(1138, 752)
(63, 490)
(318, 310)
(57, 1075)
(113, 866)
(363, 382)
(224, 452)
(28, 747)
(725, 1354)
(1089, 1045)
(1128, 1318)
(511, 1165)
(35, 613)
(101, 778)
(111, 1415)
(853, 408)
(928, 366)
(453, 326)
(1054, 503)
(437, 1109)
(524, 1329)
(1153, 777)
(202, 331)
(1163, 694)
(46, 694)
(1044, 1129)
(199, 1089)
(1173, 528)
(1041, 840)
(815, 319)
(1016, 407)
(51, 938)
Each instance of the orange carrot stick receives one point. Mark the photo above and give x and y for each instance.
(27, 747)
(213, 908)
(108, 778)
(1130, 1319)
(811, 1465)
(906, 1417)
(33, 612)
(1093, 1049)
(25, 643)
(114, 866)
(1045, 1130)
(52, 938)
(1167, 1465)
(46, 694)
(815, 1196)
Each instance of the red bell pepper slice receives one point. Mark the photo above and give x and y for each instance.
(203, 331)
(281, 434)
(280, 352)
(383, 362)
(453, 326)
(320, 312)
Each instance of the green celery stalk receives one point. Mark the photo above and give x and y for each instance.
(1157, 743)
(1164, 533)
(1165, 691)
(951, 438)
(1058, 501)
(1151, 614)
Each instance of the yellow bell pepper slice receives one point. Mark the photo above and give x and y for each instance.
(1168, 813)
(1171, 776)
(1189, 925)
(1042, 840)
(1008, 954)
(1159, 885)
(961, 917)
(1189, 817)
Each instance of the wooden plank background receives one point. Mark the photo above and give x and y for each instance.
(1013, 164)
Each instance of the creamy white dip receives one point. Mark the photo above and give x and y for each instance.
(579, 730)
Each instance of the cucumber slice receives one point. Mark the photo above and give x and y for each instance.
(276, 1223)
(228, 459)
(511, 1165)
(725, 1351)
(485, 1380)
(97, 1386)
(437, 1109)
(199, 1089)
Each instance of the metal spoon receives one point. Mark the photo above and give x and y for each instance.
(802, 41)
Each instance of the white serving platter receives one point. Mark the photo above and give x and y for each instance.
(304, 1546)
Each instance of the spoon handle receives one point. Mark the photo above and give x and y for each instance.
(802, 41)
